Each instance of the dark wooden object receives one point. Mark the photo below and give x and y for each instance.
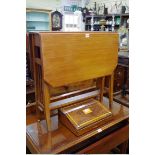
(64, 58)
(84, 116)
(56, 18)
(121, 76)
(30, 96)
(29, 56)
(121, 82)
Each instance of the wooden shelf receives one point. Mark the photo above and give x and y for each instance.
(110, 15)
(94, 24)
(30, 87)
(37, 10)
(29, 90)
(111, 25)
(37, 21)
(125, 15)
(29, 82)
(124, 100)
(95, 16)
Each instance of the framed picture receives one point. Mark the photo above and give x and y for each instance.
(56, 21)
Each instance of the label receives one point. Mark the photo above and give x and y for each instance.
(99, 130)
(87, 111)
(87, 35)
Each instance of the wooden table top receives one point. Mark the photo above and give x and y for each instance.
(61, 138)
(75, 56)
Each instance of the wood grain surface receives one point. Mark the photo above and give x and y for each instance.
(74, 57)
(60, 139)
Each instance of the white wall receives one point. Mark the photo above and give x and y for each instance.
(44, 4)
(51, 4)
(58, 4)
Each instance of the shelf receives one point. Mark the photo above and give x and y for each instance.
(123, 54)
(37, 10)
(125, 15)
(33, 30)
(124, 100)
(29, 86)
(30, 90)
(37, 21)
(124, 50)
(94, 24)
(111, 25)
(30, 105)
(110, 15)
(104, 16)
(29, 82)
(95, 16)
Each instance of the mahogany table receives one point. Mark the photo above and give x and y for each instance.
(61, 140)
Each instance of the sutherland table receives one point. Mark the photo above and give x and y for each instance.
(61, 140)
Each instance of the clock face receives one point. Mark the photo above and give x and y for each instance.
(56, 21)
(85, 11)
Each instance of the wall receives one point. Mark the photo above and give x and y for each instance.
(58, 4)
(51, 4)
